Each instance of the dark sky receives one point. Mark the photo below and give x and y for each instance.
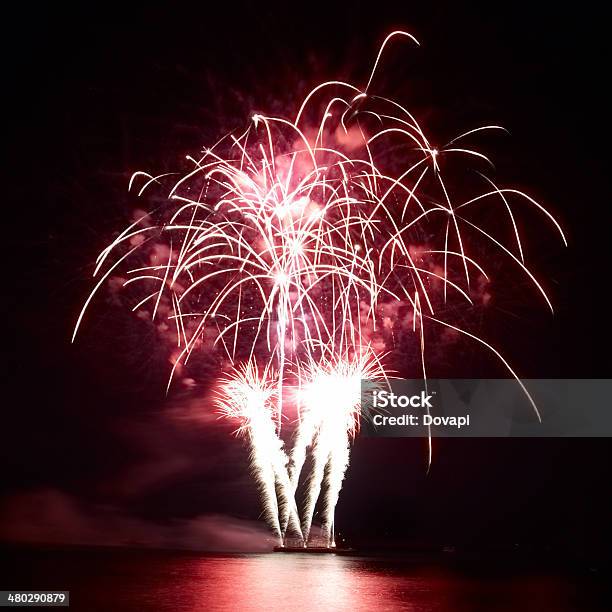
(91, 446)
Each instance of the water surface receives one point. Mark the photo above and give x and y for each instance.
(175, 582)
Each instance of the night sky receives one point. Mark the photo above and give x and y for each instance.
(92, 449)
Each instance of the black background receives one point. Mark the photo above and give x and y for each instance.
(99, 91)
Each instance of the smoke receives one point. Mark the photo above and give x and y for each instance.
(51, 516)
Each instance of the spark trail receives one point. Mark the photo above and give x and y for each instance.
(246, 396)
(331, 396)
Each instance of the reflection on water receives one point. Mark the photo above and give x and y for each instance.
(301, 582)
(122, 581)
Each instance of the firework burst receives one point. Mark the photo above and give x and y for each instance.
(285, 243)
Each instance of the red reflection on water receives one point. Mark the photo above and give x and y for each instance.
(297, 582)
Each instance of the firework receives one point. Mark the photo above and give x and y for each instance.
(247, 397)
(289, 242)
(331, 396)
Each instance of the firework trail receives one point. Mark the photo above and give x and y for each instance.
(332, 409)
(291, 235)
(246, 396)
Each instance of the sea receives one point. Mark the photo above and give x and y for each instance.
(116, 580)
